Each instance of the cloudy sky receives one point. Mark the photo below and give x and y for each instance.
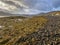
(45, 5)
(29, 6)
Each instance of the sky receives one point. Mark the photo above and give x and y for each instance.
(44, 5)
(29, 6)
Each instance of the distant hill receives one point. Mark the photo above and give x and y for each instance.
(53, 13)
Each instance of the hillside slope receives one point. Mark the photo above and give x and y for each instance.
(13, 28)
(38, 30)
